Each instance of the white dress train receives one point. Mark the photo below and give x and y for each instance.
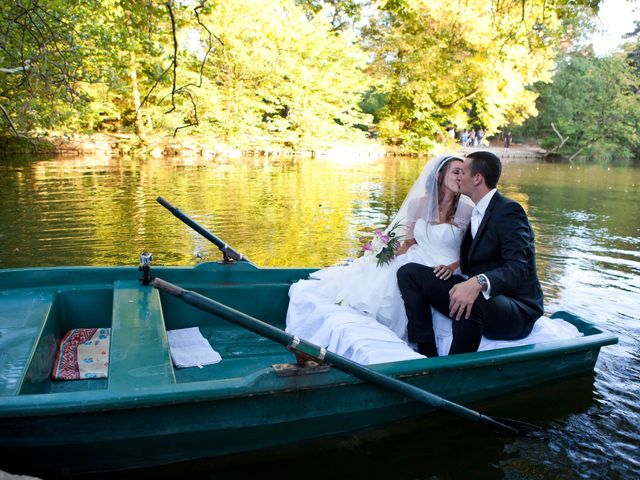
(374, 290)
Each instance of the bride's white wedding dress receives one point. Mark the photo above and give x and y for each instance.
(318, 314)
(374, 290)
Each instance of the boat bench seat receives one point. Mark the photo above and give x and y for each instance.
(21, 318)
(139, 355)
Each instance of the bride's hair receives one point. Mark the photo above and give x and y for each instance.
(442, 173)
(422, 201)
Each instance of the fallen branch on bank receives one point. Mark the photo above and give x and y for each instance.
(563, 140)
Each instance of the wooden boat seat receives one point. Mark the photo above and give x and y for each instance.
(21, 318)
(139, 355)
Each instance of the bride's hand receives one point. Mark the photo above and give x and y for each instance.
(443, 272)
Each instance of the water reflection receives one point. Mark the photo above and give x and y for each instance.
(280, 212)
(317, 212)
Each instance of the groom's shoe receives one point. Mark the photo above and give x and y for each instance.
(428, 348)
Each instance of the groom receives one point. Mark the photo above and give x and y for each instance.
(498, 295)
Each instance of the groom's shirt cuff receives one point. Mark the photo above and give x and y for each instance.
(486, 293)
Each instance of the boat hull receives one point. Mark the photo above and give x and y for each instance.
(162, 415)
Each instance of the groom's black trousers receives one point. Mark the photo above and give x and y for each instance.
(499, 318)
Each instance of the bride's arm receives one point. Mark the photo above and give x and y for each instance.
(405, 246)
(409, 240)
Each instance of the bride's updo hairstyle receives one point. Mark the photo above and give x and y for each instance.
(422, 201)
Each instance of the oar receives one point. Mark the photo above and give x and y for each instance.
(227, 251)
(321, 355)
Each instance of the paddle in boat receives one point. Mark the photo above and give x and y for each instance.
(89, 382)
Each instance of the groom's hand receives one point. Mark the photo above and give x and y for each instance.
(461, 298)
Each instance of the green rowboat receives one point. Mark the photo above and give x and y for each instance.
(148, 413)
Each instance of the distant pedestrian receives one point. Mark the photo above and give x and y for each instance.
(464, 137)
(507, 140)
(480, 135)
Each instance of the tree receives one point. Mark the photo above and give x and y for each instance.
(71, 65)
(247, 73)
(39, 62)
(591, 109)
(454, 63)
(299, 73)
(342, 14)
(632, 48)
(279, 76)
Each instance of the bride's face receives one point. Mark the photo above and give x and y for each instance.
(453, 176)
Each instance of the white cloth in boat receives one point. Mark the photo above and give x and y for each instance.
(190, 349)
(353, 334)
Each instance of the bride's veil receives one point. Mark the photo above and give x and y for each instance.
(422, 201)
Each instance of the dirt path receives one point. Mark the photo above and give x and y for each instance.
(518, 151)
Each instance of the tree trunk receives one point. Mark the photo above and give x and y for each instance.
(9, 121)
(136, 94)
(557, 148)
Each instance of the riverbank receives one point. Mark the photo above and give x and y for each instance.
(10, 476)
(124, 144)
(113, 144)
(521, 152)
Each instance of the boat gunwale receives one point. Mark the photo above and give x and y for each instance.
(44, 277)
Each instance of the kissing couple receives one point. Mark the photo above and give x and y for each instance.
(467, 254)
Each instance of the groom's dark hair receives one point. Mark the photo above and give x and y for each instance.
(488, 165)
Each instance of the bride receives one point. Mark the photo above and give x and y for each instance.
(432, 221)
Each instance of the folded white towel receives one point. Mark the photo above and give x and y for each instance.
(190, 349)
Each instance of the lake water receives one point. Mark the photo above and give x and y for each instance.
(316, 212)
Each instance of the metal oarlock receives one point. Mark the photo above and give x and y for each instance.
(309, 360)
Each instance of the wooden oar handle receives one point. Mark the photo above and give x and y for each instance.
(346, 365)
(167, 287)
(229, 252)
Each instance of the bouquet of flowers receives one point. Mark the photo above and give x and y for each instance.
(383, 246)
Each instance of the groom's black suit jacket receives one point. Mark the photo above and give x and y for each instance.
(504, 251)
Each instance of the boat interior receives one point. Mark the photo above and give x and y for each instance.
(39, 306)
(34, 320)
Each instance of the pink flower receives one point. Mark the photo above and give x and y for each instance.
(385, 238)
(367, 247)
(378, 232)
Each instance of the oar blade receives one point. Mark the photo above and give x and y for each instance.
(510, 426)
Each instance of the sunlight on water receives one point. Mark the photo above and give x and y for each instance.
(317, 212)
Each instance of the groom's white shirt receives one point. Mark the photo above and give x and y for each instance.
(476, 219)
(478, 211)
